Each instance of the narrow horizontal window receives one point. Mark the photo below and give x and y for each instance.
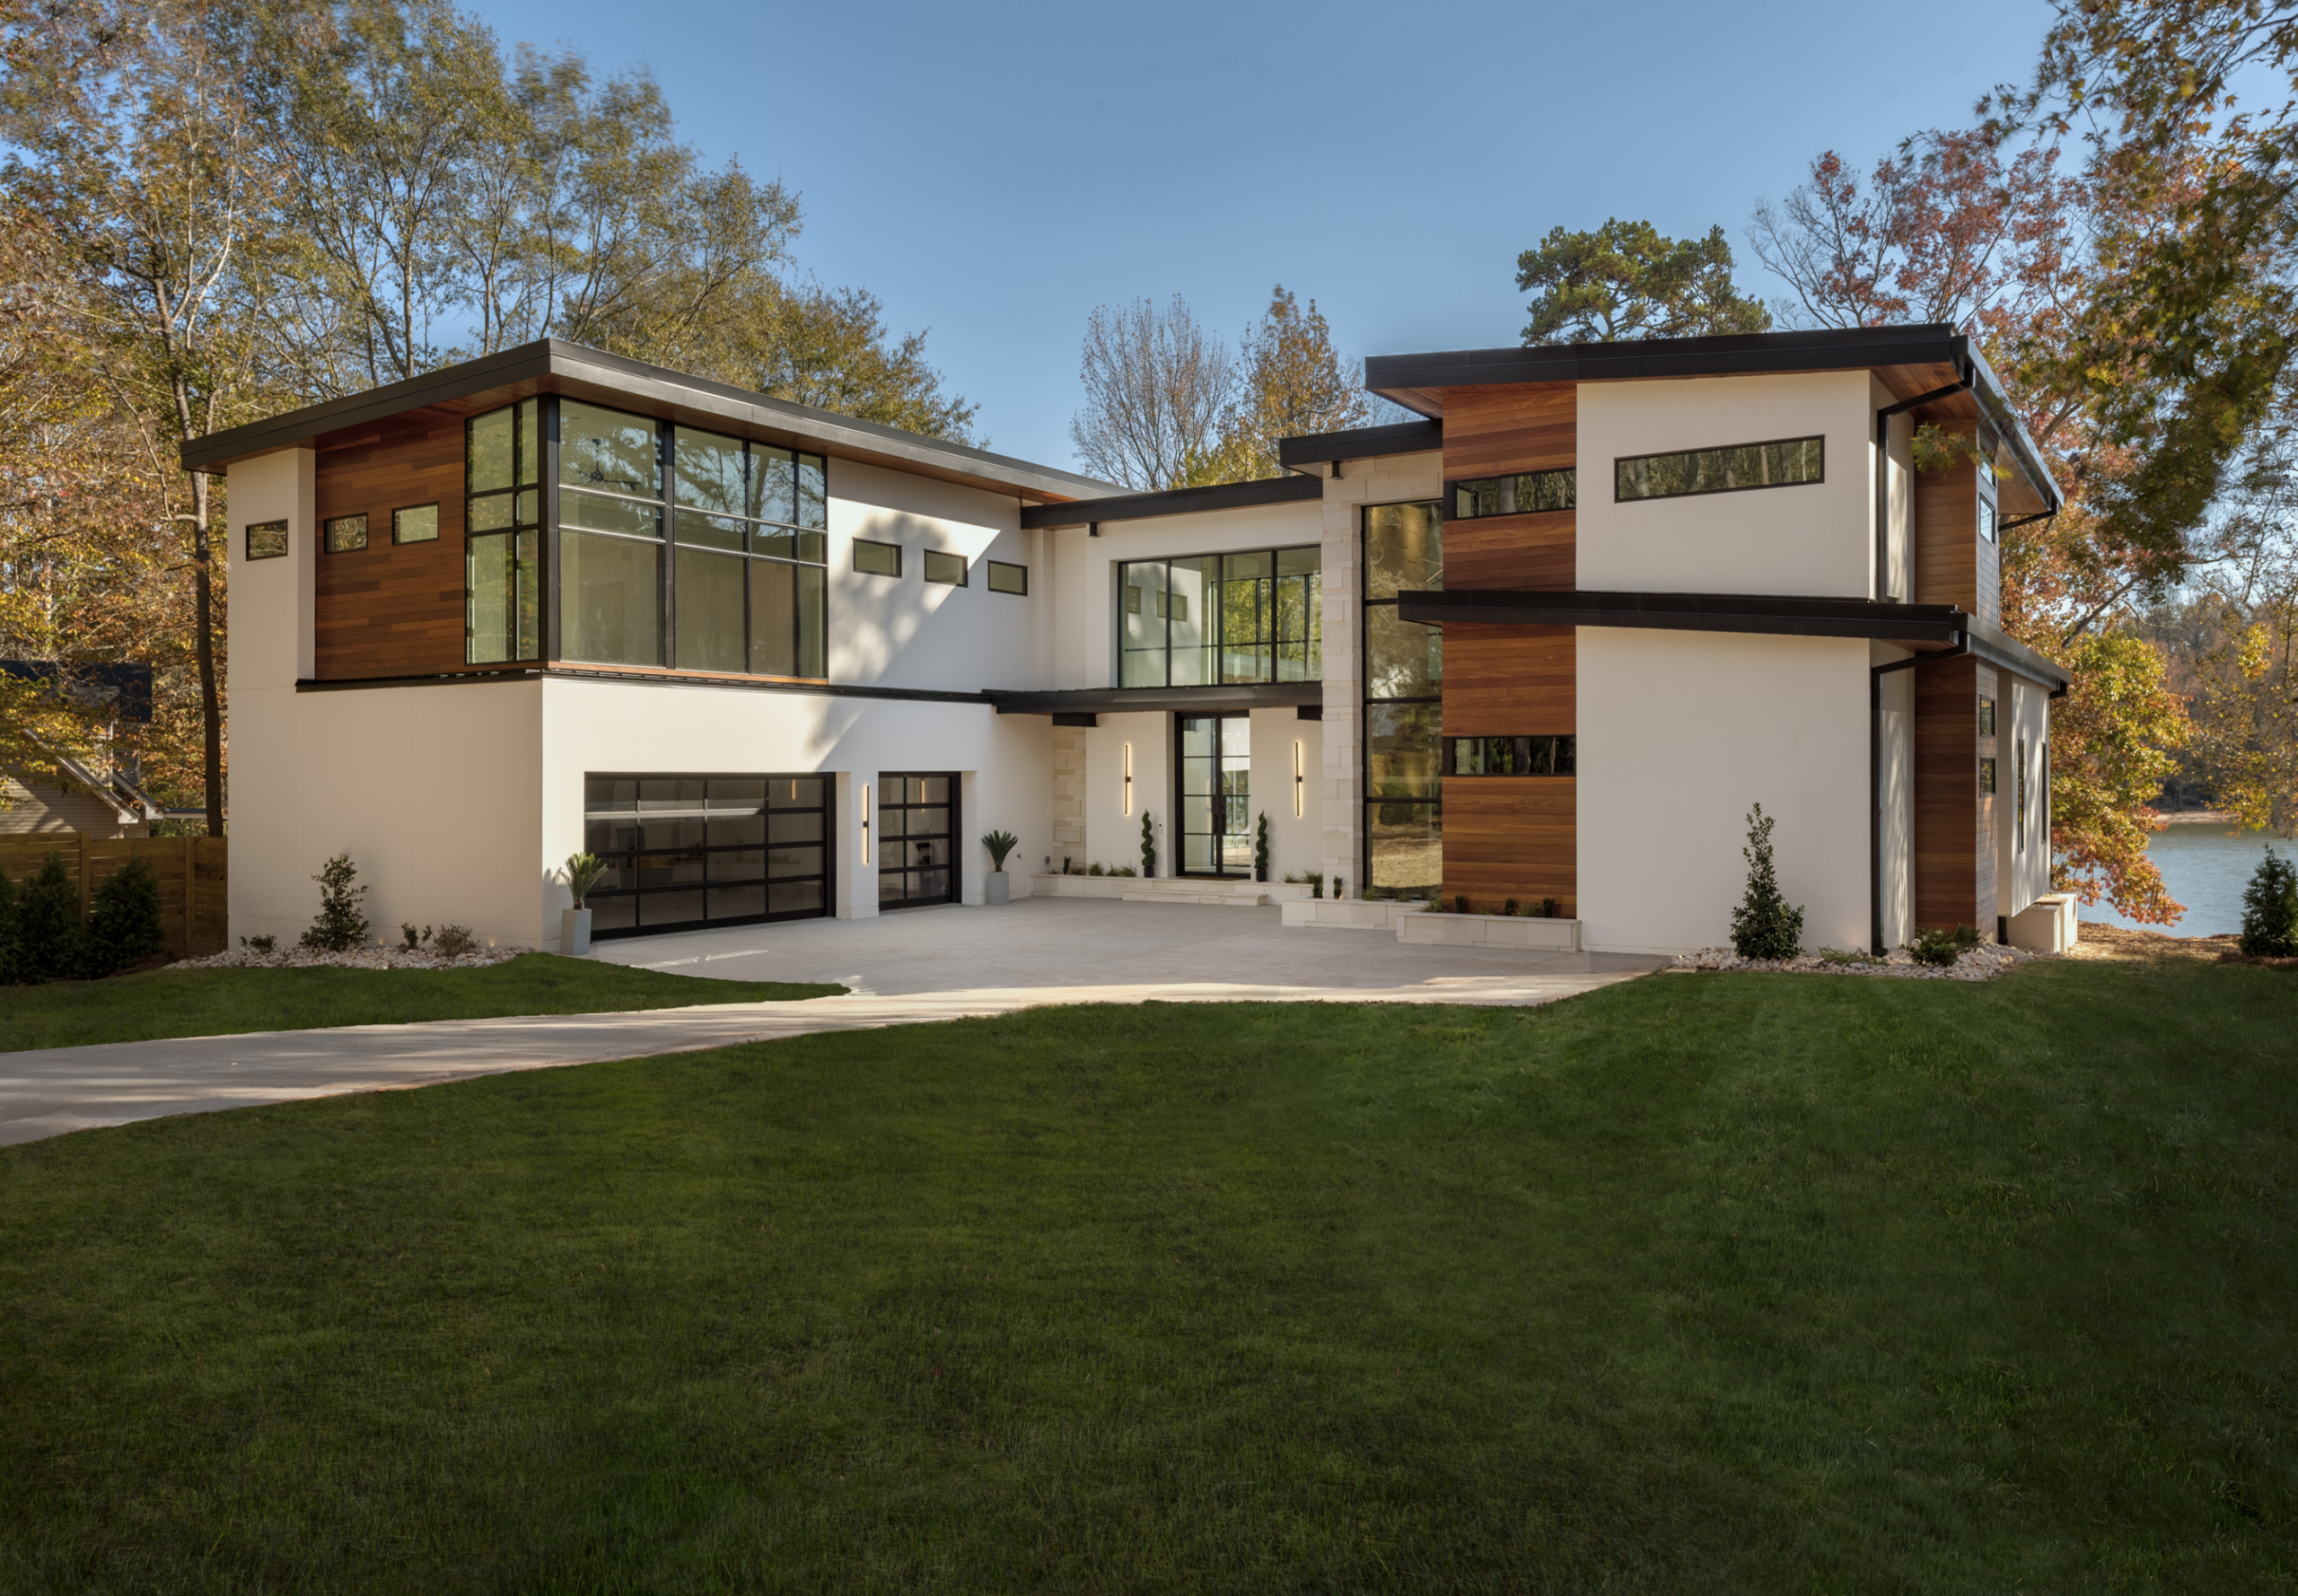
(877, 559)
(1788, 463)
(1511, 756)
(267, 540)
(948, 569)
(419, 523)
(1526, 493)
(1008, 579)
(345, 533)
(1986, 776)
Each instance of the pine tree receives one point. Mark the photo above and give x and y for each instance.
(2270, 909)
(340, 927)
(1765, 926)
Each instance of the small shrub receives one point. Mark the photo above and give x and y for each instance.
(412, 940)
(1094, 868)
(8, 976)
(1316, 886)
(123, 927)
(1336, 887)
(2270, 909)
(1460, 903)
(1547, 908)
(338, 927)
(1941, 948)
(48, 923)
(265, 944)
(1840, 956)
(1121, 869)
(1765, 926)
(1509, 909)
(452, 942)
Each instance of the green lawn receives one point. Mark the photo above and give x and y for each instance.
(169, 1003)
(1701, 1283)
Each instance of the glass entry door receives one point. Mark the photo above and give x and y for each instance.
(917, 828)
(1216, 794)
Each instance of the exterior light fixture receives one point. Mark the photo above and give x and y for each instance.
(1299, 782)
(865, 823)
(1129, 778)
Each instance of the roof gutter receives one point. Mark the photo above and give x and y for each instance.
(1883, 475)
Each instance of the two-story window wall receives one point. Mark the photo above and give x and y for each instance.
(1404, 710)
(675, 548)
(1214, 618)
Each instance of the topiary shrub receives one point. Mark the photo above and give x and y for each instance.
(1148, 846)
(123, 927)
(48, 923)
(2270, 909)
(340, 927)
(1765, 926)
(1260, 849)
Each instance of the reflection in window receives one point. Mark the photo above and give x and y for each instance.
(419, 523)
(1212, 618)
(1526, 493)
(1788, 463)
(345, 533)
(1404, 677)
(1985, 716)
(694, 850)
(873, 558)
(503, 541)
(609, 597)
(1512, 756)
(948, 569)
(1005, 578)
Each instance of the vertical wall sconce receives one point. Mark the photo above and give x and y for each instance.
(865, 823)
(1299, 782)
(1129, 778)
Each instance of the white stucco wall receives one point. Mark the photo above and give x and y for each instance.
(1812, 540)
(1296, 842)
(1680, 733)
(1896, 798)
(2022, 874)
(271, 609)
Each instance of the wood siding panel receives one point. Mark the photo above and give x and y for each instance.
(1509, 681)
(1512, 837)
(1524, 552)
(1531, 426)
(393, 610)
(1954, 822)
(1946, 534)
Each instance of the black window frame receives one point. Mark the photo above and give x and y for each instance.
(964, 578)
(908, 867)
(268, 529)
(1429, 705)
(399, 510)
(861, 570)
(989, 580)
(1987, 787)
(542, 485)
(1508, 487)
(636, 891)
(327, 533)
(758, 532)
(1217, 648)
(1623, 461)
(1985, 716)
(1541, 755)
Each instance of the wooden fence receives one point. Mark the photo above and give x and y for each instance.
(194, 874)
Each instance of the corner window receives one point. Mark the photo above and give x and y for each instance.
(1511, 756)
(1526, 493)
(419, 523)
(1736, 468)
(1006, 578)
(502, 534)
(1211, 619)
(948, 569)
(1986, 718)
(267, 540)
(345, 533)
(877, 559)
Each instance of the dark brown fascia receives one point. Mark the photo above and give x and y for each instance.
(553, 365)
(1265, 695)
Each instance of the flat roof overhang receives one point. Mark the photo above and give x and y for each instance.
(1176, 501)
(1205, 700)
(552, 366)
(1360, 442)
(1923, 627)
(1909, 361)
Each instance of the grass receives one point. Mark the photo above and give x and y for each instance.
(178, 1003)
(1713, 1283)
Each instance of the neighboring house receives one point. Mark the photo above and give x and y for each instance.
(104, 799)
(1552, 642)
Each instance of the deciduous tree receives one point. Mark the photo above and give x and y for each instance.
(1157, 384)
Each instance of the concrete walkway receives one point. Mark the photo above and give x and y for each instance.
(916, 966)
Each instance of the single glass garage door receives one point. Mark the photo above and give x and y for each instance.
(917, 826)
(684, 852)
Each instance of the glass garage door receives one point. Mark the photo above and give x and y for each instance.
(686, 852)
(917, 826)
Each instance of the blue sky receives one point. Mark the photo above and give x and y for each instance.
(994, 171)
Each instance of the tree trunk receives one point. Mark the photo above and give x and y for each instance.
(210, 704)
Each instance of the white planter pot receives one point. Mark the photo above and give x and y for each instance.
(996, 889)
(575, 930)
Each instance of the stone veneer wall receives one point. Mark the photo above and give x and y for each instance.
(1396, 478)
(1068, 790)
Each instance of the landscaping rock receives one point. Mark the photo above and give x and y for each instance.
(371, 957)
(1981, 963)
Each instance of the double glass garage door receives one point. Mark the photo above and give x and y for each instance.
(689, 851)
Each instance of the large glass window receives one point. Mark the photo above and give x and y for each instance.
(1404, 684)
(1221, 618)
(502, 534)
(705, 850)
(1216, 794)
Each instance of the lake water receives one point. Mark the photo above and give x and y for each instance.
(2204, 869)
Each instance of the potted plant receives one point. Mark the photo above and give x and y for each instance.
(997, 888)
(582, 874)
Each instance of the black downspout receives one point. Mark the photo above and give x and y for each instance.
(1875, 674)
(1883, 472)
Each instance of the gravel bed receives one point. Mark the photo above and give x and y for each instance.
(373, 958)
(1983, 962)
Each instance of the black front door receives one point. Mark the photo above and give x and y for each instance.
(917, 829)
(1216, 794)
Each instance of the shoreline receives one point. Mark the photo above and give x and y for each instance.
(2198, 817)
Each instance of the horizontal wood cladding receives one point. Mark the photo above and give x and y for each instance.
(393, 610)
(1954, 821)
(1509, 681)
(1532, 427)
(1947, 567)
(1512, 837)
(1533, 553)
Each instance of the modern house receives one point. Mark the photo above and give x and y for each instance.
(1549, 643)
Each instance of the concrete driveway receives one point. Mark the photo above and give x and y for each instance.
(914, 966)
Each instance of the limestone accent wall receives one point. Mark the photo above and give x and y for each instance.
(1069, 789)
(1398, 478)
